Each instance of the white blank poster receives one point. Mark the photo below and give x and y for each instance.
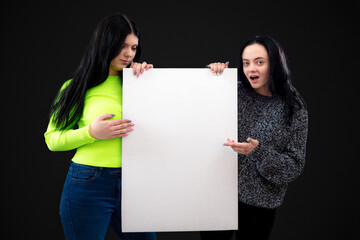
(176, 173)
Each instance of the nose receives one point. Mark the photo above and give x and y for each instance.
(252, 68)
(129, 53)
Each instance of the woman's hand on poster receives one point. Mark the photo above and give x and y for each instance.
(101, 128)
(140, 68)
(218, 67)
(242, 147)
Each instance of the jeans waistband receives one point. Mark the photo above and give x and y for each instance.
(78, 166)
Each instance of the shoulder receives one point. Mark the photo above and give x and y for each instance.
(241, 86)
(243, 90)
(300, 108)
(300, 118)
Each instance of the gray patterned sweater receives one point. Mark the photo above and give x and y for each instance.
(279, 158)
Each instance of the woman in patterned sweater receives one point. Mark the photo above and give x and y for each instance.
(272, 135)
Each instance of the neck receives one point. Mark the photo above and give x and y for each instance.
(264, 92)
(113, 72)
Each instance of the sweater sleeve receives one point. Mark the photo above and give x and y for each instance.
(69, 139)
(65, 140)
(285, 166)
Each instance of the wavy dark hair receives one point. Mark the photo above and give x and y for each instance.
(105, 44)
(280, 83)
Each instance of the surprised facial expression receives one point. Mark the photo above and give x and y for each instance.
(256, 67)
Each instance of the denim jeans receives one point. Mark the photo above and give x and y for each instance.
(91, 201)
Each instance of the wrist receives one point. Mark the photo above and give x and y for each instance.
(90, 130)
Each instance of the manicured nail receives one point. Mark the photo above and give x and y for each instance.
(129, 121)
(248, 140)
(227, 63)
(125, 135)
(132, 124)
(137, 75)
(147, 68)
(134, 73)
(130, 129)
(221, 73)
(113, 115)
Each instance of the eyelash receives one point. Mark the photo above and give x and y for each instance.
(245, 64)
(133, 48)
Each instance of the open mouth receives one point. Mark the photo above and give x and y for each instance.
(254, 78)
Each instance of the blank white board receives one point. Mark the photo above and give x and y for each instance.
(176, 173)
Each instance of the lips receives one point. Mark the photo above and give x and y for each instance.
(125, 62)
(254, 78)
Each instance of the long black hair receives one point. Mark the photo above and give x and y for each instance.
(105, 44)
(280, 83)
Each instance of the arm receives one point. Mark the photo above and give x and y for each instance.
(69, 139)
(285, 166)
(100, 128)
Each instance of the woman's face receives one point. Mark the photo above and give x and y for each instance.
(256, 67)
(126, 55)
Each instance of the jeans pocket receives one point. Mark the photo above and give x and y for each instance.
(85, 175)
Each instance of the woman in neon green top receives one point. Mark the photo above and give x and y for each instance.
(87, 116)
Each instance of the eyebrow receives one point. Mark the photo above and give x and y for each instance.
(134, 45)
(244, 59)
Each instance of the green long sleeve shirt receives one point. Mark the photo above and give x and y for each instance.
(101, 99)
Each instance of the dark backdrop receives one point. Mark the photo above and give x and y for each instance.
(42, 43)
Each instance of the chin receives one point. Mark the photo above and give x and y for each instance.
(254, 86)
(120, 68)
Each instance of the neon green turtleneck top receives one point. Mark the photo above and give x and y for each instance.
(101, 99)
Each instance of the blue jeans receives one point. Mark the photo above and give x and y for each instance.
(91, 201)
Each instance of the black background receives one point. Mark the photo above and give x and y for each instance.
(42, 43)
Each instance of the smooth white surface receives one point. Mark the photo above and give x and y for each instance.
(176, 173)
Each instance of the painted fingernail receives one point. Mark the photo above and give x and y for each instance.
(125, 135)
(137, 75)
(132, 124)
(227, 63)
(221, 73)
(248, 140)
(130, 129)
(113, 115)
(129, 121)
(134, 73)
